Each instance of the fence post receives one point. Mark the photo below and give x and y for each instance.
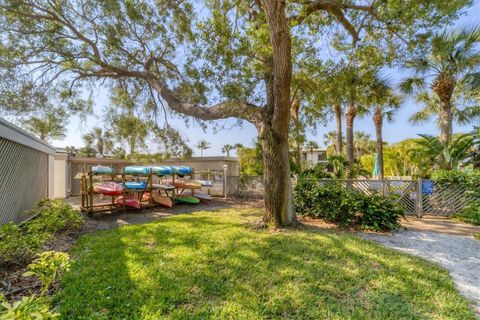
(225, 167)
(419, 199)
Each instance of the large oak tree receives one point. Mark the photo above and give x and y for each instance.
(154, 43)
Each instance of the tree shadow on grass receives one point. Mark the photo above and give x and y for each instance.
(205, 266)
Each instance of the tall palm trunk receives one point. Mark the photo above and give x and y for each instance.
(337, 109)
(443, 86)
(274, 127)
(445, 121)
(378, 121)
(350, 118)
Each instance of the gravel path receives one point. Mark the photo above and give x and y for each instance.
(460, 255)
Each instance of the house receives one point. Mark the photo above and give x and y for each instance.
(314, 156)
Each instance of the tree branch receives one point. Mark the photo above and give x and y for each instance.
(335, 9)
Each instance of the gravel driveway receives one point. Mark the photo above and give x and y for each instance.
(460, 255)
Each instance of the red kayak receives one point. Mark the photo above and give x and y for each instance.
(108, 188)
(129, 202)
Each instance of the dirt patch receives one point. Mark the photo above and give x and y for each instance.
(439, 224)
(14, 285)
(105, 221)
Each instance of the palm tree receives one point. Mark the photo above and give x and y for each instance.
(474, 156)
(50, 126)
(384, 104)
(102, 140)
(331, 139)
(446, 155)
(71, 150)
(202, 145)
(227, 148)
(363, 143)
(453, 69)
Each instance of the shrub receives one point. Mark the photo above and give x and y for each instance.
(20, 244)
(470, 214)
(16, 246)
(345, 207)
(47, 267)
(27, 308)
(53, 216)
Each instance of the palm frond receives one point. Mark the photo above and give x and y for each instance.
(412, 84)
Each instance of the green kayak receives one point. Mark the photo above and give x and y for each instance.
(187, 199)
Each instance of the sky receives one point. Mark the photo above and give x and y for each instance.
(227, 132)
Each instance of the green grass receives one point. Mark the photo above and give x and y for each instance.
(215, 265)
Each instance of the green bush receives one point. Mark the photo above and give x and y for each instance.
(466, 178)
(470, 214)
(345, 207)
(20, 244)
(47, 267)
(53, 216)
(28, 308)
(16, 246)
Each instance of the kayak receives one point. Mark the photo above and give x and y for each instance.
(108, 188)
(101, 170)
(129, 202)
(188, 184)
(201, 196)
(136, 170)
(163, 187)
(163, 200)
(187, 200)
(135, 185)
(162, 170)
(182, 170)
(206, 183)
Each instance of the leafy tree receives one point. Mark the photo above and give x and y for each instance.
(227, 148)
(202, 145)
(238, 61)
(102, 140)
(453, 66)
(251, 160)
(50, 126)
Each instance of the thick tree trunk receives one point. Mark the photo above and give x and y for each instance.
(378, 121)
(297, 131)
(445, 121)
(275, 125)
(337, 109)
(350, 118)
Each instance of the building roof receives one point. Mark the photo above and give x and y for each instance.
(14, 133)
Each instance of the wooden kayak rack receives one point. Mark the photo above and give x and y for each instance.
(88, 193)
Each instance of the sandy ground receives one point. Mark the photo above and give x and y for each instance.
(459, 254)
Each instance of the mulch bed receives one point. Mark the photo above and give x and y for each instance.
(14, 285)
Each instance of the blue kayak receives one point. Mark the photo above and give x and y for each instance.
(135, 185)
(137, 170)
(162, 170)
(101, 170)
(182, 170)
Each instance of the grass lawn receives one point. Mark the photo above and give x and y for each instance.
(214, 265)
